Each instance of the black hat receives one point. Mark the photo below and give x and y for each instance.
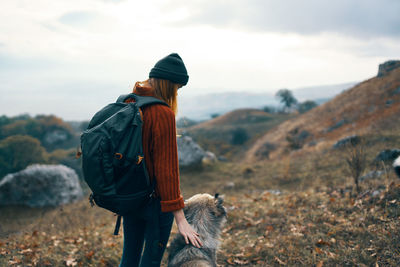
(170, 68)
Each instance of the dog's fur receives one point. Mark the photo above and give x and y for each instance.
(396, 166)
(206, 214)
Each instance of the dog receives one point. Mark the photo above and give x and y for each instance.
(396, 166)
(206, 214)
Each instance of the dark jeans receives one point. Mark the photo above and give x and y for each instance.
(139, 232)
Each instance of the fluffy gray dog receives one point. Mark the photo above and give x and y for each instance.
(207, 215)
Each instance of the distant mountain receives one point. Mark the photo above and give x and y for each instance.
(201, 107)
(321, 93)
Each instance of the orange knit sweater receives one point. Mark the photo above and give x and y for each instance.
(160, 150)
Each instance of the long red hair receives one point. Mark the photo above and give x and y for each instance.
(167, 91)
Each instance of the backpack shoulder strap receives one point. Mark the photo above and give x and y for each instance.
(141, 100)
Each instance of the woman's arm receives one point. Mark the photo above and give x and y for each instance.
(187, 231)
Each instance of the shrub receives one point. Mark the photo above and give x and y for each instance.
(239, 136)
(355, 156)
(19, 151)
(297, 138)
(214, 115)
(306, 106)
(270, 109)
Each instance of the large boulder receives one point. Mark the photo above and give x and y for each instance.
(40, 185)
(387, 67)
(189, 152)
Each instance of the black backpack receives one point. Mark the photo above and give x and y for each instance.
(112, 157)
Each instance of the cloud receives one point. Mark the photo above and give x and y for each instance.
(78, 18)
(113, 1)
(362, 18)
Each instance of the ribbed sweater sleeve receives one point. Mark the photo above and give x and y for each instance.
(165, 160)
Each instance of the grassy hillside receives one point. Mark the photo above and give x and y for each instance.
(233, 133)
(372, 105)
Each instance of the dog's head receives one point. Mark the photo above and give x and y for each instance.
(205, 206)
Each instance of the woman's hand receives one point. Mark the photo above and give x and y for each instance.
(187, 231)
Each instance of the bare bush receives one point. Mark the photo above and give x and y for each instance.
(355, 156)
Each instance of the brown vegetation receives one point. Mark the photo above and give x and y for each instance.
(359, 110)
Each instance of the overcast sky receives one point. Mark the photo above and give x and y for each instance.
(71, 57)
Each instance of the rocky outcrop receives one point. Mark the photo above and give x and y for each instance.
(348, 140)
(387, 67)
(189, 152)
(40, 186)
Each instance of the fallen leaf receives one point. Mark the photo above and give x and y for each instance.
(322, 243)
(26, 251)
(320, 264)
(318, 250)
(230, 261)
(280, 261)
(89, 255)
(14, 260)
(71, 262)
(270, 228)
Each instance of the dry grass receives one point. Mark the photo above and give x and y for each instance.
(360, 108)
(317, 220)
(311, 228)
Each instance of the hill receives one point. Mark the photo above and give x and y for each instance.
(231, 134)
(372, 105)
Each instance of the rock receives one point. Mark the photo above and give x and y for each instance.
(229, 185)
(40, 185)
(222, 158)
(376, 193)
(387, 155)
(336, 125)
(352, 139)
(209, 158)
(189, 152)
(265, 150)
(371, 175)
(389, 103)
(387, 67)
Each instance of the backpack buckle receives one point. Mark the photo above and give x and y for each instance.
(140, 158)
(118, 156)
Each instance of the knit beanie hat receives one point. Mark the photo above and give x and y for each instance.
(170, 68)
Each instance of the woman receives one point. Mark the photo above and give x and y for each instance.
(161, 158)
